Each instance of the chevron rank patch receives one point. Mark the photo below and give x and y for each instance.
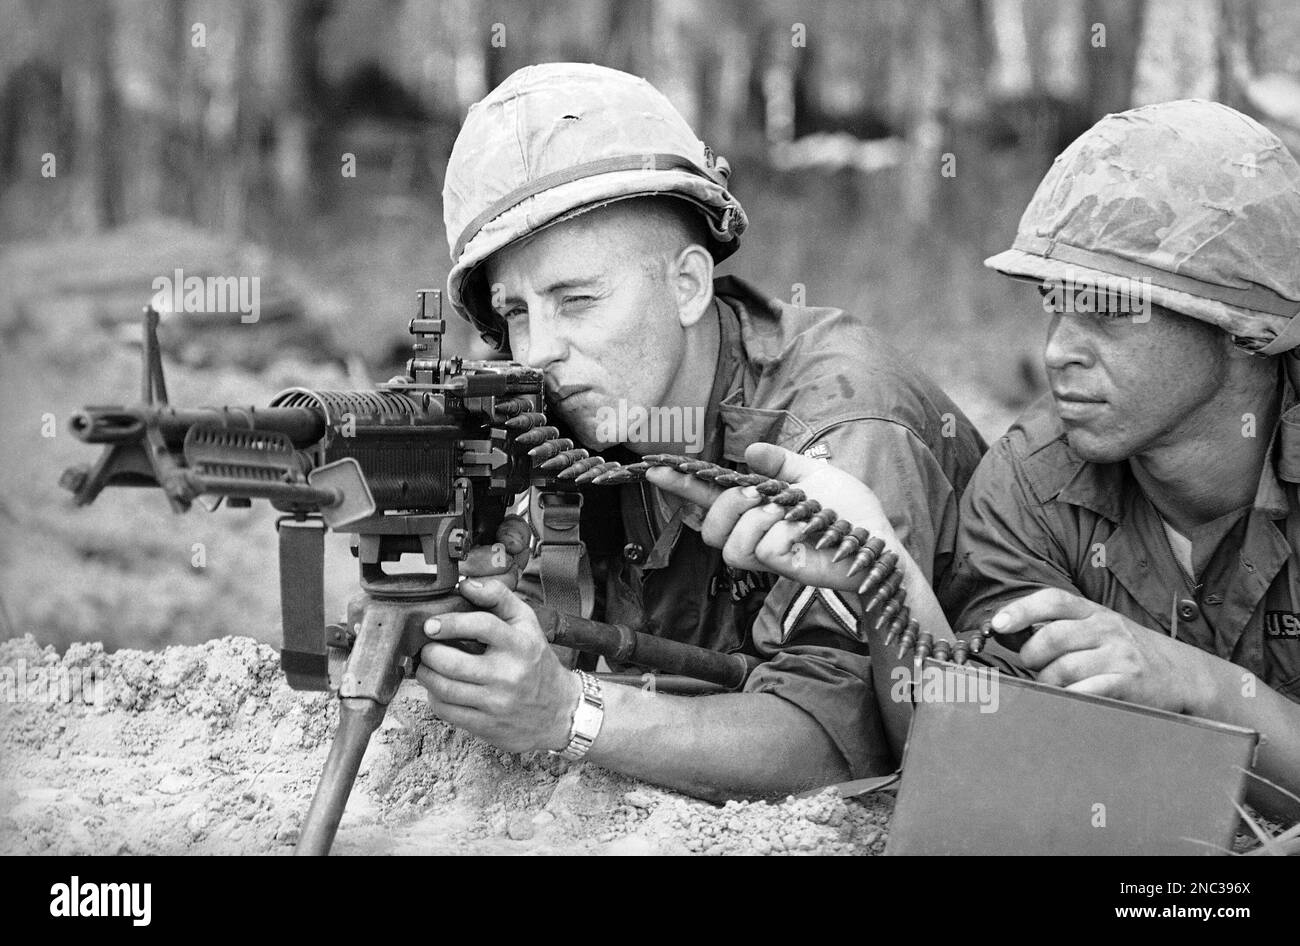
(814, 603)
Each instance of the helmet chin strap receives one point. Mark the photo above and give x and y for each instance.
(1285, 341)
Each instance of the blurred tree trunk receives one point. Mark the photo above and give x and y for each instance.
(1237, 50)
(731, 82)
(779, 65)
(240, 144)
(469, 59)
(626, 29)
(674, 44)
(104, 134)
(1177, 56)
(1056, 55)
(180, 162)
(294, 93)
(1110, 66)
(1012, 70)
(1247, 83)
(925, 131)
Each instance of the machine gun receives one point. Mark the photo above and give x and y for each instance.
(428, 463)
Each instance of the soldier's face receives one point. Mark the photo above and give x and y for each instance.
(1126, 385)
(596, 316)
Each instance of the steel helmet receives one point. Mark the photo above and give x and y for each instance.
(558, 139)
(1199, 199)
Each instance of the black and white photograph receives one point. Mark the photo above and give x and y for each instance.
(651, 427)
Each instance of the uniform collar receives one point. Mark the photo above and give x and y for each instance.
(725, 379)
(668, 522)
(752, 330)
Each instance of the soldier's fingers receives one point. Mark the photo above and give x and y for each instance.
(481, 626)
(1055, 639)
(492, 595)
(450, 692)
(725, 514)
(688, 487)
(749, 530)
(1074, 666)
(483, 561)
(462, 717)
(454, 662)
(1106, 684)
(1046, 604)
(780, 539)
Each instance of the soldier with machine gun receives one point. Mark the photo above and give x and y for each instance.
(585, 219)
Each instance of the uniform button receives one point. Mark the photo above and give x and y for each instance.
(1187, 610)
(634, 553)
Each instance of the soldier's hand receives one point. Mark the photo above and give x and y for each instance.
(505, 559)
(1085, 647)
(516, 694)
(753, 534)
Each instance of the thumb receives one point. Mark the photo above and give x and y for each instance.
(767, 459)
(483, 560)
(492, 595)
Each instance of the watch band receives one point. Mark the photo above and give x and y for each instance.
(587, 718)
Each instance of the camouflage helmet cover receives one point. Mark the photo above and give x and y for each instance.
(1198, 201)
(559, 139)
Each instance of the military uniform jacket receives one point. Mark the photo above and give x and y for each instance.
(817, 381)
(1037, 516)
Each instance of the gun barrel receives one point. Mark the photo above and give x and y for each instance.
(302, 425)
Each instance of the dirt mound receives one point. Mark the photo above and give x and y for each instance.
(206, 750)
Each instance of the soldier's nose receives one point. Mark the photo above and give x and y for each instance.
(1067, 344)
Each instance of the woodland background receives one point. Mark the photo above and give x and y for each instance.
(208, 135)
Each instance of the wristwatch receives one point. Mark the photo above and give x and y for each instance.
(587, 717)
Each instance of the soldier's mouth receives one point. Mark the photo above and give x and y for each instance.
(561, 394)
(1075, 408)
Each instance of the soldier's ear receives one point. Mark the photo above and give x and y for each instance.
(691, 274)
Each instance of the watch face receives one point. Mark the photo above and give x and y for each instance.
(586, 721)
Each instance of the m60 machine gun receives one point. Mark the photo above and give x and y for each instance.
(428, 463)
